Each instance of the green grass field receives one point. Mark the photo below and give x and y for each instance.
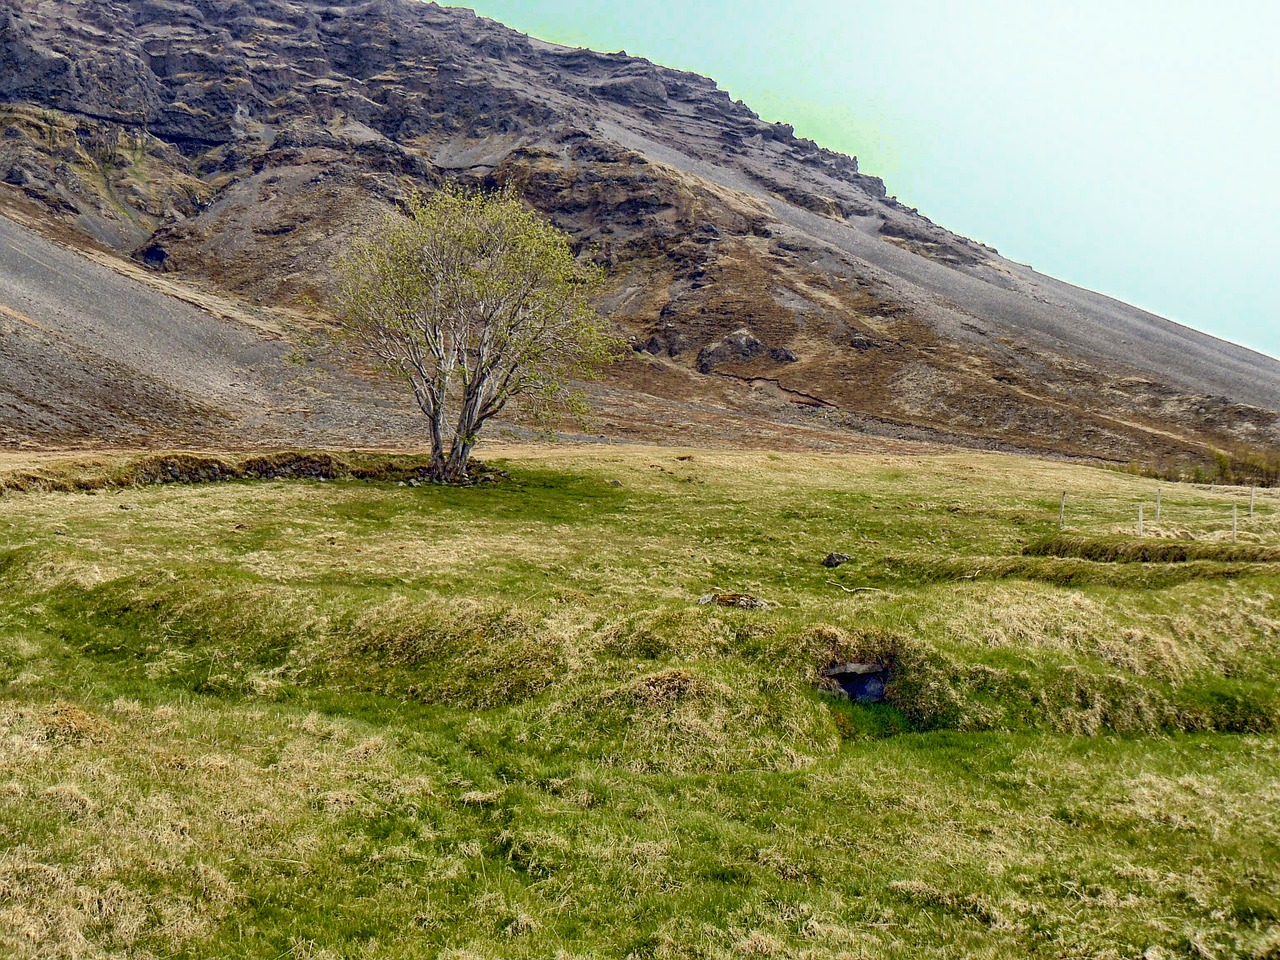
(354, 718)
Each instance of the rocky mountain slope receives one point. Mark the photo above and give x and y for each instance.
(765, 283)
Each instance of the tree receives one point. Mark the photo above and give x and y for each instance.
(477, 303)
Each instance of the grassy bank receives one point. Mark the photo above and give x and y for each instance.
(352, 717)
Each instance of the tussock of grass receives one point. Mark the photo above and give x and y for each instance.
(1130, 550)
(1063, 571)
(231, 636)
(688, 719)
(462, 653)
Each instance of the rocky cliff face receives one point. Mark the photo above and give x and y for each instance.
(240, 143)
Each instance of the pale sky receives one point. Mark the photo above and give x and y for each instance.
(1128, 146)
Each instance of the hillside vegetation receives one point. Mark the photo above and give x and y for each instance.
(340, 713)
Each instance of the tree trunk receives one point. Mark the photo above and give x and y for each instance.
(438, 462)
(455, 470)
(464, 437)
(430, 399)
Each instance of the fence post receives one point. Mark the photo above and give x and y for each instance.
(1062, 512)
(1159, 504)
(1141, 525)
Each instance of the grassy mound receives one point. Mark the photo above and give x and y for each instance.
(1129, 550)
(79, 475)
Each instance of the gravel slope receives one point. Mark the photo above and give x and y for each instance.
(86, 352)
